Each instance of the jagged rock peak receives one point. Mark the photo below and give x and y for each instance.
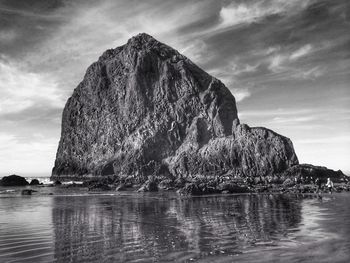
(144, 44)
(142, 39)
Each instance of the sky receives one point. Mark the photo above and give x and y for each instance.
(286, 62)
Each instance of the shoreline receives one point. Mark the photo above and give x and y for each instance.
(189, 186)
(187, 190)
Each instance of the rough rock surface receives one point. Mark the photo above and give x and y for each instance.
(144, 110)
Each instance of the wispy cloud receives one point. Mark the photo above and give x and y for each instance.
(242, 68)
(241, 94)
(293, 120)
(7, 36)
(280, 60)
(228, 77)
(301, 52)
(20, 90)
(286, 65)
(253, 11)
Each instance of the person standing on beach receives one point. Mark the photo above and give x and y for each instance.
(329, 184)
(318, 184)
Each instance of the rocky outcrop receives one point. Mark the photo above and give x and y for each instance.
(13, 180)
(145, 110)
(34, 182)
(306, 171)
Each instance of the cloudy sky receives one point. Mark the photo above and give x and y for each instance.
(286, 62)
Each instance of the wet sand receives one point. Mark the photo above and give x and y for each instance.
(74, 226)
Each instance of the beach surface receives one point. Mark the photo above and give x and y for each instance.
(59, 224)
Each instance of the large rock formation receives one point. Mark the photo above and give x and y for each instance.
(144, 109)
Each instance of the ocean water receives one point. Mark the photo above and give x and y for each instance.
(59, 224)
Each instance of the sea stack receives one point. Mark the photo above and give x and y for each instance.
(144, 109)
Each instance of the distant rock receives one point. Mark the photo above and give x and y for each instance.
(27, 192)
(57, 182)
(143, 109)
(13, 180)
(307, 170)
(34, 182)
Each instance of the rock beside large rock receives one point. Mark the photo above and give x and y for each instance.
(145, 110)
(34, 182)
(13, 180)
(306, 171)
(248, 152)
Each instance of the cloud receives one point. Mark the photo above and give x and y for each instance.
(197, 50)
(312, 73)
(240, 94)
(8, 36)
(280, 60)
(20, 90)
(227, 77)
(293, 120)
(26, 156)
(301, 52)
(286, 65)
(253, 11)
(242, 68)
(332, 151)
(236, 14)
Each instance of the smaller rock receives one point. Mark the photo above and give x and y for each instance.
(288, 183)
(57, 182)
(149, 186)
(190, 189)
(35, 182)
(121, 187)
(13, 180)
(166, 184)
(28, 192)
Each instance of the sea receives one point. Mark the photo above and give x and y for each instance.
(71, 224)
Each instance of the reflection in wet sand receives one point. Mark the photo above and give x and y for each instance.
(148, 228)
(166, 228)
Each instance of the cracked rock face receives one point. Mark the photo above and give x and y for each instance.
(144, 109)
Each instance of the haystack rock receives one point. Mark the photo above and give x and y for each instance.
(144, 109)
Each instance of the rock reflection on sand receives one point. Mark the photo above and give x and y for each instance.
(149, 228)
